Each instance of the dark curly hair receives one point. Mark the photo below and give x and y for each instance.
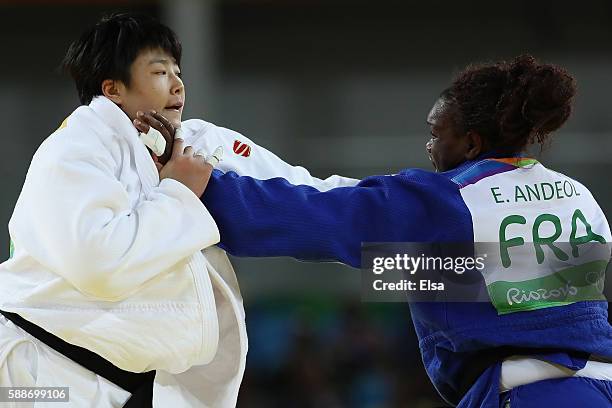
(512, 104)
(108, 49)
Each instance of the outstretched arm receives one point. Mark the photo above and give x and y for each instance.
(244, 157)
(275, 218)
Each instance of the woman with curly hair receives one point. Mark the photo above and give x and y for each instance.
(542, 338)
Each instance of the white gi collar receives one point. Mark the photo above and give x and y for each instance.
(113, 116)
(120, 123)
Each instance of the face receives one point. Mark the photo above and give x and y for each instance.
(155, 84)
(448, 146)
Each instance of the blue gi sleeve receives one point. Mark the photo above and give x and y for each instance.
(275, 218)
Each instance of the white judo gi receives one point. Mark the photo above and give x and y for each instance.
(109, 258)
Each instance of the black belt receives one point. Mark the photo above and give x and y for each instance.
(140, 385)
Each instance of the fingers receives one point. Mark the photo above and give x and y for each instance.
(154, 141)
(148, 118)
(216, 157)
(162, 119)
(141, 126)
(191, 169)
(188, 151)
(177, 148)
(178, 133)
(200, 155)
(212, 160)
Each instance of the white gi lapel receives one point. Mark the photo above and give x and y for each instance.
(113, 116)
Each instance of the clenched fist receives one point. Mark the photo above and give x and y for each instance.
(187, 167)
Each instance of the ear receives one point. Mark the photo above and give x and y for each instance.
(113, 90)
(475, 145)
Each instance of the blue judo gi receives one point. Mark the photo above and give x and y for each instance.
(462, 344)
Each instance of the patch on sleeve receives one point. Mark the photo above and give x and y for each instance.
(241, 149)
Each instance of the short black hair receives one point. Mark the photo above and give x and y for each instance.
(108, 49)
(512, 104)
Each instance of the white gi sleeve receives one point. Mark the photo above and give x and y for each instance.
(75, 217)
(242, 156)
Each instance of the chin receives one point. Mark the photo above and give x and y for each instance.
(174, 118)
(433, 163)
(176, 122)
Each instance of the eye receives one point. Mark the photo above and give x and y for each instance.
(160, 72)
(179, 74)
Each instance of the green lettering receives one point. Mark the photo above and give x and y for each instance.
(505, 244)
(590, 235)
(538, 241)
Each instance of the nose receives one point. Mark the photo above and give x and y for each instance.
(177, 86)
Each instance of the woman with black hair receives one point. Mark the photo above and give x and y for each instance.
(114, 289)
(542, 338)
(114, 286)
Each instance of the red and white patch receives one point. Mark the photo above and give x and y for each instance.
(242, 149)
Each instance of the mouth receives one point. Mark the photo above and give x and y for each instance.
(176, 107)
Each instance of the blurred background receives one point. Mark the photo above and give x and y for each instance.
(338, 87)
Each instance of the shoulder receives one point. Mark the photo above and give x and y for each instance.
(428, 204)
(428, 176)
(82, 136)
(417, 185)
(426, 181)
